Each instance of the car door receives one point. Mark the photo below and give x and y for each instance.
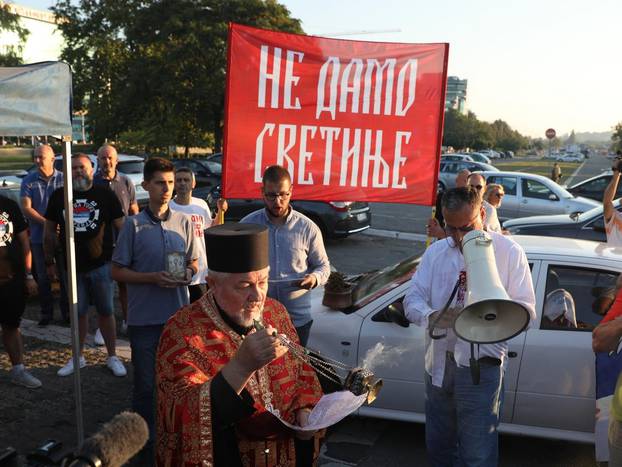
(509, 207)
(537, 199)
(400, 361)
(556, 385)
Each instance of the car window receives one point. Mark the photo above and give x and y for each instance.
(535, 189)
(450, 167)
(131, 167)
(573, 296)
(508, 183)
(597, 186)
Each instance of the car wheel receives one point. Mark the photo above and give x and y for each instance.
(322, 227)
(440, 186)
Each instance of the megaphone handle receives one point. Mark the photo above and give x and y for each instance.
(440, 315)
(474, 365)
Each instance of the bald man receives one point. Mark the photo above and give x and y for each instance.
(35, 192)
(108, 175)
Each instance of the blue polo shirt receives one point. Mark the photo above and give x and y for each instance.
(122, 187)
(142, 246)
(39, 190)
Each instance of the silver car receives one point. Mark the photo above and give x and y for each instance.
(449, 169)
(534, 195)
(549, 381)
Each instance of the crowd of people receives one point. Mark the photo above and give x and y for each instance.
(163, 261)
(209, 308)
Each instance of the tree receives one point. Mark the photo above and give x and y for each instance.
(11, 55)
(160, 64)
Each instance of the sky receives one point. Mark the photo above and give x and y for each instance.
(535, 64)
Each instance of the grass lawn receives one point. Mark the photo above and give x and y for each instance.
(540, 167)
(14, 160)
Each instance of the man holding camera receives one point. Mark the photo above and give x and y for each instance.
(461, 416)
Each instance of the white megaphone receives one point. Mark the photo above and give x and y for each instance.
(489, 314)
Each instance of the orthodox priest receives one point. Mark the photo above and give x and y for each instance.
(219, 378)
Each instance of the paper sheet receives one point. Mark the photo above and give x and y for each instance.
(330, 409)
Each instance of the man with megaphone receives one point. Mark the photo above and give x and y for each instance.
(472, 291)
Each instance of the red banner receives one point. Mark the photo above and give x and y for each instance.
(350, 120)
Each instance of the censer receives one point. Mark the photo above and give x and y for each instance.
(357, 380)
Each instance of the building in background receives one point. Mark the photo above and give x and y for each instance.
(455, 97)
(45, 42)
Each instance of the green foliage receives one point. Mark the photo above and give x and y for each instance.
(11, 55)
(466, 131)
(156, 68)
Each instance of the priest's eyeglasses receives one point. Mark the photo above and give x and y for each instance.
(273, 196)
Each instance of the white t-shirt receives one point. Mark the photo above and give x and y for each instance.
(614, 229)
(201, 218)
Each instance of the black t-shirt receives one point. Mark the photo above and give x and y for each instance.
(93, 213)
(12, 222)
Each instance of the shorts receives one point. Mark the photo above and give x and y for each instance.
(96, 286)
(13, 300)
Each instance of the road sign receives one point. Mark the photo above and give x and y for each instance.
(550, 133)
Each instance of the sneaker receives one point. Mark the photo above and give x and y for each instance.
(98, 338)
(44, 322)
(116, 366)
(68, 368)
(24, 378)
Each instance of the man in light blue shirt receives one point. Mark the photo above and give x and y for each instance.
(298, 260)
(35, 192)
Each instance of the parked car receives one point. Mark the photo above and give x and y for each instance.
(531, 195)
(477, 157)
(594, 187)
(456, 157)
(334, 218)
(216, 157)
(207, 172)
(572, 157)
(449, 169)
(549, 382)
(589, 225)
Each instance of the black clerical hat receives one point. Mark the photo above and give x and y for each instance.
(235, 247)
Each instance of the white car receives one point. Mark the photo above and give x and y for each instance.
(573, 157)
(550, 379)
(534, 195)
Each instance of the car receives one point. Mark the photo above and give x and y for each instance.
(336, 219)
(456, 157)
(216, 157)
(477, 157)
(572, 157)
(449, 169)
(207, 172)
(594, 187)
(491, 154)
(531, 195)
(549, 381)
(589, 225)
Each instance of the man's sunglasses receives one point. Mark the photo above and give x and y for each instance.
(273, 196)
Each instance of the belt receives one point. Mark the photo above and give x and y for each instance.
(490, 361)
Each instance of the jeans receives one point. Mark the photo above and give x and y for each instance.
(144, 343)
(303, 333)
(462, 418)
(43, 283)
(97, 285)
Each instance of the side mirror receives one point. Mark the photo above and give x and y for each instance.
(575, 215)
(394, 313)
(553, 197)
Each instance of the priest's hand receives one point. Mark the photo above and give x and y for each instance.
(302, 417)
(260, 348)
(256, 351)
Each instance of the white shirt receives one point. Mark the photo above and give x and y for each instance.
(492, 221)
(614, 230)
(199, 214)
(431, 287)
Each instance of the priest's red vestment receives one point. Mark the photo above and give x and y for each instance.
(194, 401)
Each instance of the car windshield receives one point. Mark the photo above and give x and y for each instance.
(372, 284)
(213, 166)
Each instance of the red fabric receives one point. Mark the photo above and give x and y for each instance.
(615, 310)
(195, 345)
(397, 131)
